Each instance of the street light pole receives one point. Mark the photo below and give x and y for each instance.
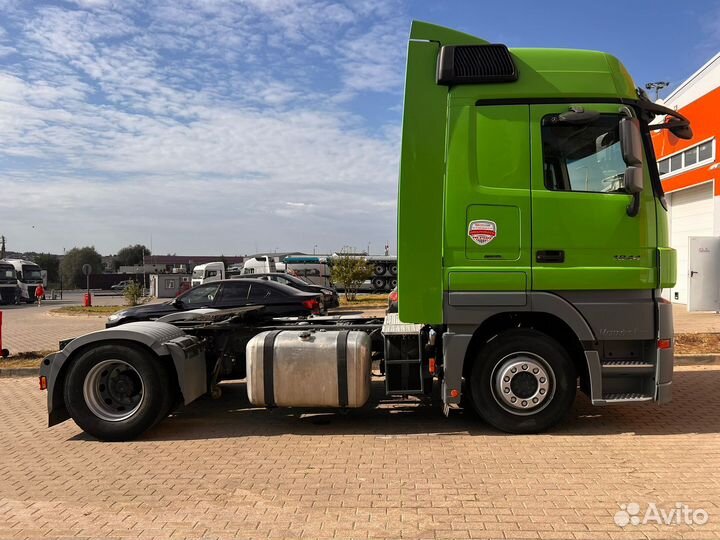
(657, 86)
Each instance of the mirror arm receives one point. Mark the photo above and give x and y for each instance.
(633, 209)
(668, 125)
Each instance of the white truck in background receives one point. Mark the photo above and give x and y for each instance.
(261, 265)
(8, 284)
(205, 273)
(29, 275)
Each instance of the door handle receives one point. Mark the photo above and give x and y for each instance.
(550, 256)
(693, 272)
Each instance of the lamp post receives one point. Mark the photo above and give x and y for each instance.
(657, 86)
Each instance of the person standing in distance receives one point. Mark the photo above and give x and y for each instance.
(39, 293)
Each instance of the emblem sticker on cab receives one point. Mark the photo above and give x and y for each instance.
(482, 231)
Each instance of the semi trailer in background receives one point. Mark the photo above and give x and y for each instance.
(532, 249)
(318, 270)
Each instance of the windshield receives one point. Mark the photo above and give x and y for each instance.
(31, 273)
(585, 157)
(204, 295)
(7, 273)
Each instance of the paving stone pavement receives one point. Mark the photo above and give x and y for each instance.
(224, 469)
(34, 328)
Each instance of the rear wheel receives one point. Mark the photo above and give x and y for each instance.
(378, 284)
(379, 269)
(523, 381)
(115, 392)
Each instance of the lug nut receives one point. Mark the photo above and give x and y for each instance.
(524, 366)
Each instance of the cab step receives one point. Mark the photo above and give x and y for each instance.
(627, 367)
(626, 397)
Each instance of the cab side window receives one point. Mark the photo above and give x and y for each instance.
(584, 157)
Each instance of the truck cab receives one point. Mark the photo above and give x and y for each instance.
(28, 276)
(532, 223)
(205, 273)
(8, 283)
(262, 264)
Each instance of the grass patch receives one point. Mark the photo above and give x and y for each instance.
(366, 300)
(94, 310)
(697, 343)
(24, 360)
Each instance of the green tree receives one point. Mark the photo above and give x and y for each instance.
(50, 263)
(350, 272)
(73, 262)
(133, 293)
(130, 256)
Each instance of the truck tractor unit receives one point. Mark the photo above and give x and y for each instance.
(532, 250)
(28, 276)
(8, 284)
(205, 273)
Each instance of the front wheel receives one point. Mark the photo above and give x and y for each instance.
(115, 392)
(523, 381)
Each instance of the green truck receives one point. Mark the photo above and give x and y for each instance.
(532, 251)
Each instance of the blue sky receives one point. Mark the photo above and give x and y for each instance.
(234, 126)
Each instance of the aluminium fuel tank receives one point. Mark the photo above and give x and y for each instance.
(289, 368)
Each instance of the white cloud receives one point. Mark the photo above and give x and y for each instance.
(215, 125)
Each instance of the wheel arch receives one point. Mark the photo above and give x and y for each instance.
(544, 322)
(151, 337)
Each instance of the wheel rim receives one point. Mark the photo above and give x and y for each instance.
(113, 390)
(523, 383)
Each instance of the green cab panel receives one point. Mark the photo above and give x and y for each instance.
(602, 246)
(487, 198)
(472, 279)
(474, 211)
(667, 259)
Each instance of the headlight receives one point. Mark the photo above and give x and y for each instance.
(116, 316)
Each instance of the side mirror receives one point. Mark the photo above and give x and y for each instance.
(631, 141)
(634, 179)
(681, 130)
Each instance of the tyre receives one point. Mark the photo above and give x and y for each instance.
(392, 283)
(393, 270)
(379, 269)
(523, 381)
(378, 284)
(115, 392)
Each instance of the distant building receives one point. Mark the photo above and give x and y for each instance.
(689, 174)
(185, 263)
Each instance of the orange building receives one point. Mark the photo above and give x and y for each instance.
(689, 174)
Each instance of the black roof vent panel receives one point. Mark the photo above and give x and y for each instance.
(475, 64)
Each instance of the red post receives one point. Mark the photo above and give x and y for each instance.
(3, 352)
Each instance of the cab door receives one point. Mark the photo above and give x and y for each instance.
(487, 205)
(582, 235)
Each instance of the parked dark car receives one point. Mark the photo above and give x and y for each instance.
(330, 295)
(279, 301)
